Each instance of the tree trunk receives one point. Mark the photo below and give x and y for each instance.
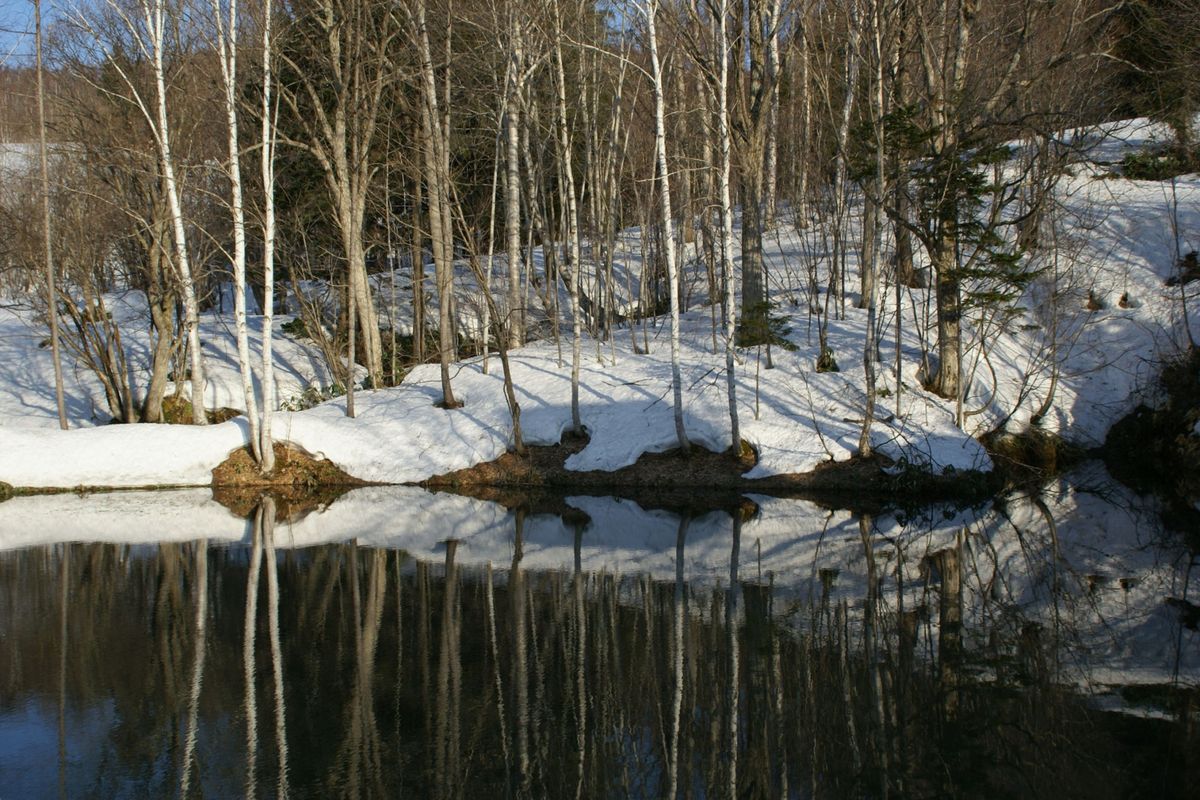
(724, 145)
(755, 107)
(227, 44)
(660, 143)
(949, 312)
(162, 325)
(871, 235)
(417, 256)
(267, 445)
(154, 14)
(771, 156)
(51, 290)
(512, 181)
(572, 220)
(435, 183)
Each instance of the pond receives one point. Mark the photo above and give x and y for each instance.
(396, 643)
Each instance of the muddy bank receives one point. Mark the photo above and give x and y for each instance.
(300, 483)
(295, 469)
(701, 478)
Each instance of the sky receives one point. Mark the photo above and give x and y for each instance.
(16, 29)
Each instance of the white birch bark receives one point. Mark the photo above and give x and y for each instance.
(485, 326)
(771, 165)
(512, 180)
(435, 181)
(724, 146)
(660, 147)
(841, 189)
(801, 200)
(154, 14)
(227, 43)
(147, 26)
(268, 142)
(572, 222)
(869, 345)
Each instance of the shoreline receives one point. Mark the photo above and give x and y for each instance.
(699, 479)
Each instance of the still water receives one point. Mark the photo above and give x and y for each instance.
(398, 643)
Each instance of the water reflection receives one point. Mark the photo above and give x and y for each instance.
(789, 652)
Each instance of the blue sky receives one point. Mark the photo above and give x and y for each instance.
(16, 29)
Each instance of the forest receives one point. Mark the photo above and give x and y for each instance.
(885, 189)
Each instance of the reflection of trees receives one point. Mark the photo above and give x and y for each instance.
(63, 646)
(449, 682)
(199, 640)
(263, 547)
(439, 679)
(249, 632)
(357, 769)
(267, 523)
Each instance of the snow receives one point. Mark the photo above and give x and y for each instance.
(118, 455)
(1115, 240)
(27, 368)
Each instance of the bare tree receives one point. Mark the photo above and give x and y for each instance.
(225, 25)
(51, 291)
(571, 212)
(148, 30)
(267, 143)
(668, 234)
(435, 144)
(513, 88)
(334, 87)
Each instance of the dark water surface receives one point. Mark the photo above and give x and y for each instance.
(401, 644)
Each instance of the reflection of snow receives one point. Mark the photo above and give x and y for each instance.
(1087, 564)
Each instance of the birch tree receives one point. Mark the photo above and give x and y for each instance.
(51, 290)
(148, 30)
(572, 217)
(714, 65)
(878, 19)
(267, 144)
(225, 24)
(668, 234)
(513, 88)
(757, 89)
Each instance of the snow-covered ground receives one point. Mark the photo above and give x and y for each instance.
(1115, 238)
(27, 401)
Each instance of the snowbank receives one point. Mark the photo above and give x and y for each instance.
(1092, 328)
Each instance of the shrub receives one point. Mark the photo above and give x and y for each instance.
(1158, 164)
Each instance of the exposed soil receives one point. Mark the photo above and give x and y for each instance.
(177, 410)
(299, 483)
(1032, 456)
(702, 480)
(294, 469)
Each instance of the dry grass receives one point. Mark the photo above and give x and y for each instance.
(177, 410)
(294, 468)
